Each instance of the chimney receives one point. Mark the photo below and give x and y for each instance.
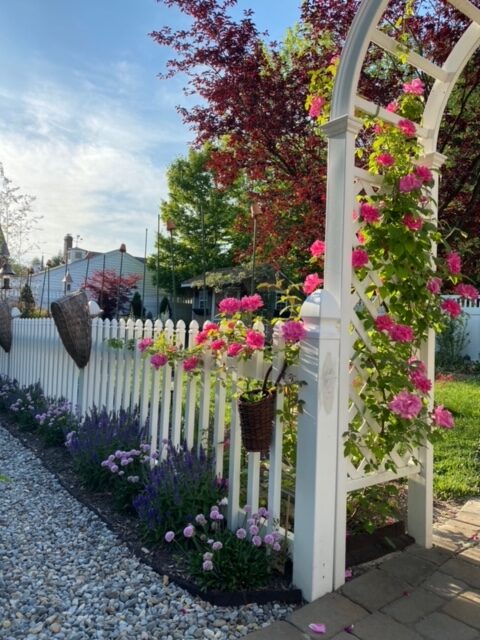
(67, 245)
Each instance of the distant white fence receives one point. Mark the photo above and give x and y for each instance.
(471, 310)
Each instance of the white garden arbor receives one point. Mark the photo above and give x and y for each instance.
(324, 475)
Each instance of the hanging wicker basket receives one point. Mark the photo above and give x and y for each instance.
(257, 415)
(5, 326)
(74, 324)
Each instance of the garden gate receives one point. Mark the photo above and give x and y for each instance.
(332, 401)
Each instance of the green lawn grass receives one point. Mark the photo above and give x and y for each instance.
(457, 456)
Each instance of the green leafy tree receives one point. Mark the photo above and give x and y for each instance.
(26, 300)
(203, 216)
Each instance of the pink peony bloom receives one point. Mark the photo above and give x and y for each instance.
(415, 87)
(424, 173)
(229, 306)
(359, 258)
(369, 213)
(158, 360)
(251, 303)
(414, 223)
(434, 285)
(144, 344)
(316, 107)
(401, 333)
(407, 127)
(234, 349)
(392, 106)
(255, 339)
(454, 262)
(467, 291)
(451, 307)
(409, 183)
(406, 405)
(218, 344)
(443, 418)
(420, 381)
(190, 363)
(312, 283)
(293, 331)
(385, 160)
(317, 249)
(384, 323)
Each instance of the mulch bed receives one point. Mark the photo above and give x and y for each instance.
(360, 547)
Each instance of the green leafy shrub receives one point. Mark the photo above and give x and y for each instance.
(372, 507)
(450, 345)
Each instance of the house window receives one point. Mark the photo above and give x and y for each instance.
(203, 299)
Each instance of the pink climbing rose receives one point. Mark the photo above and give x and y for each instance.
(255, 339)
(434, 285)
(454, 263)
(392, 106)
(443, 418)
(407, 128)
(191, 363)
(317, 249)
(251, 303)
(144, 344)
(234, 349)
(293, 331)
(384, 323)
(401, 333)
(415, 87)
(312, 283)
(414, 223)
(424, 173)
(406, 405)
(451, 307)
(218, 344)
(408, 183)
(369, 213)
(359, 258)
(466, 291)
(158, 360)
(420, 381)
(385, 160)
(316, 107)
(229, 306)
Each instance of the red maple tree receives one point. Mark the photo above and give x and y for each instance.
(112, 292)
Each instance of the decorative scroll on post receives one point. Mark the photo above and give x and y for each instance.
(74, 325)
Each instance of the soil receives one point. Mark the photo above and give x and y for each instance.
(361, 548)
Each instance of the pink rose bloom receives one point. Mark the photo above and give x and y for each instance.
(420, 381)
(414, 223)
(316, 107)
(434, 285)
(217, 345)
(377, 129)
(158, 360)
(392, 106)
(409, 183)
(454, 262)
(144, 344)
(201, 337)
(255, 339)
(407, 127)
(234, 349)
(293, 331)
(424, 173)
(406, 405)
(229, 306)
(401, 333)
(210, 327)
(318, 248)
(443, 418)
(190, 363)
(251, 303)
(466, 291)
(385, 160)
(369, 213)
(451, 307)
(384, 323)
(415, 87)
(312, 283)
(359, 258)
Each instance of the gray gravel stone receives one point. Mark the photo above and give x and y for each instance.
(66, 576)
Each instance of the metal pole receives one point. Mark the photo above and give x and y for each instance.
(48, 291)
(122, 251)
(142, 315)
(255, 209)
(43, 289)
(205, 296)
(100, 302)
(158, 265)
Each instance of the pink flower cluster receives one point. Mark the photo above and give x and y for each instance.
(316, 108)
(369, 213)
(409, 183)
(158, 360)
(231, 306)
(418, 376)
(293, 331)
(317, 249)
(415, 87)
(312, 283)
(434, 285)
(407, 127)
(144, 344)
(451, 307)
(443, 418)
(385, 160)
(406, 405)
(466, 291)
(359, 258)
(454, 263)
(397, 332)
(414, 223)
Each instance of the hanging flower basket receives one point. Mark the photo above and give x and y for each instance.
(5, 326)
(257, 413)
(74, 324)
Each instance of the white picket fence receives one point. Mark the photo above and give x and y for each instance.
(176, 406)
(471, 311)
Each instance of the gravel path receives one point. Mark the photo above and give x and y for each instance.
(63, 574)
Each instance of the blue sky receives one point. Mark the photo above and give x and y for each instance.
(85, 124)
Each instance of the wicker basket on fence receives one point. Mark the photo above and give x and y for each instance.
(5, 326)
(257, 415)
(74, 324)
